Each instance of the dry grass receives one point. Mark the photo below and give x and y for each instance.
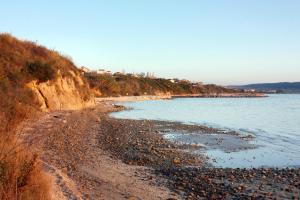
(21, 176)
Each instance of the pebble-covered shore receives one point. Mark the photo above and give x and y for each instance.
(140, 142)
(93, 156)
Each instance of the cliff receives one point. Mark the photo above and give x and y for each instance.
(33, 77)
(60, 94)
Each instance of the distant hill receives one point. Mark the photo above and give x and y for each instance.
(281, 87)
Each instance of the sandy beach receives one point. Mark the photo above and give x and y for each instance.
(90, 155)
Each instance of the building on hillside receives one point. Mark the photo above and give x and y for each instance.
(118, 73)
(132, 75)
(84, 69)
(101, 72)
(98, 72)
(197, 84)
(150, 75)
(108, 73)
(249, 90)
(185, 81)
(142, 75)
(175, 80)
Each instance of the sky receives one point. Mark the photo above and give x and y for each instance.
(225, 42)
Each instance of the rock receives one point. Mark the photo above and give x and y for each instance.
(132, 198)
(176, 161)
(61, 93)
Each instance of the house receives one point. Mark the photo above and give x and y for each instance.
(141, 75)
(197, 84)
(249, 90)
(150, 75)
(132, 75)
(185, 81)
(118, 73)
(85, 69)
(101, 72)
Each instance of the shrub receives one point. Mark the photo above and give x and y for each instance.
(42, 71)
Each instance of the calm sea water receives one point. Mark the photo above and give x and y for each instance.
(275, 122)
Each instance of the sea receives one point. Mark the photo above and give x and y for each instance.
(274, 121)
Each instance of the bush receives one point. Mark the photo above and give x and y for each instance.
(41, 71)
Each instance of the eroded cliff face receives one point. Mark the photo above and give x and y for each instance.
(64, 93)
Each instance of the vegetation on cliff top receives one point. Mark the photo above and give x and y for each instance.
(122, 85)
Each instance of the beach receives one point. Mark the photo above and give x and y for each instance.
(170, 96)
(150, 100)
(90, 155)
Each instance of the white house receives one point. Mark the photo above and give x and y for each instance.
(85, 69)
(101, 71)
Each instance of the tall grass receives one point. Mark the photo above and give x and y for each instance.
(21, 176)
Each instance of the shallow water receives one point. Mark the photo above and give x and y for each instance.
(274, 121)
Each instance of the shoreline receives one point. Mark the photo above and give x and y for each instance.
(161, 97)
(101, 157)
(222, 95)
(190, 175)
(132, 98)
(211, 137)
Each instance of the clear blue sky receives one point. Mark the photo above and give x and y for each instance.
(224, 42)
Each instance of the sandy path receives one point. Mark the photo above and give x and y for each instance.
(66, 141)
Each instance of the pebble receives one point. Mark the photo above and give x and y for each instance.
(176, 161)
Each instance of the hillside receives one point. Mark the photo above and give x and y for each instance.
(33, 76)
(281, 87)
(32, 79)
(128, 85)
